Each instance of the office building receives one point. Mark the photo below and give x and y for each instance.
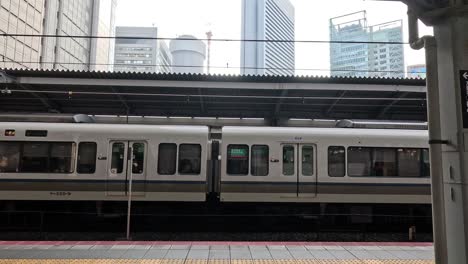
(164, 58)
(102, 49)
(63, 18)
(349, 59)
(267, 20)
(21, 17)
(144, 53)
(416, 71)
(359, 56)
(78, 18)
(188, 54)
(387, 60)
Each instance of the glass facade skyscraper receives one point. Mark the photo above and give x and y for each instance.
(267, 20)
(387, 60)
(349, 59)
(357, 56)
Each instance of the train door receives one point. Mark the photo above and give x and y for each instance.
(299, 163)
(122, 165)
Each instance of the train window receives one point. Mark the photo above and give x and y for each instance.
(138, 160)
(425, 165)
(189, 158)
(86, 158)
(238, 160)
(167, 158)
(118, 157)
(35, 157)
(307, 160)
(288, 160)
(372, 162)
(359, 161)
(336, 161)
(409, 164)
(61, 157)
(259, 163)
(413, 162)
(9, 156)
(384, 162)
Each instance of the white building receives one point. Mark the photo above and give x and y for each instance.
(54, 17)
(188, 55)
(102, 49)
(144, 53)
(21, 17)
(267, 20)
(78, 18)
(164, 58)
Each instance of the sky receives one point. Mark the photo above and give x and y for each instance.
(223, 18)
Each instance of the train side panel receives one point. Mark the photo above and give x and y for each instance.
(107, 174)
(298, 166)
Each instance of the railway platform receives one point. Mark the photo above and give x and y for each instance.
(161, 252)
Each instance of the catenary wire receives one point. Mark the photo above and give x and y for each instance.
(205, 39)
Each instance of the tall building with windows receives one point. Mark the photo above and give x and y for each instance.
(387, 60)
(78, 18)
(57, 17)
(21, 17)
(142, 53)
(358, 56)
(267, 20)
(349, 59)
(163, 59)
(102, 49)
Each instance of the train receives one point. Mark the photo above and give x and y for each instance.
(335, 175)
(237, 164)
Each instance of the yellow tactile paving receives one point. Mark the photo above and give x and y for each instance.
(196, 261)
(172, 261)
(262, 261)
(306, 261)
(211, 261)
(285, 261)
(219, 261)
(241, 261)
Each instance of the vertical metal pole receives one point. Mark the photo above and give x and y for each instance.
(435, 133)
(129, 204)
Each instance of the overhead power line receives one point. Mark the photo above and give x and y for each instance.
(205, 39)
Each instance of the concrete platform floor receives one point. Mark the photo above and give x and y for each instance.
(214, 252)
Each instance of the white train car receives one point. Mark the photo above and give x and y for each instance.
(94, 162)
(62, 161)
(324, 165)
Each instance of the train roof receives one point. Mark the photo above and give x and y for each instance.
(105, 128)
(324, 132)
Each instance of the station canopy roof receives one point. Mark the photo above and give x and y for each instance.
(194, 95)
